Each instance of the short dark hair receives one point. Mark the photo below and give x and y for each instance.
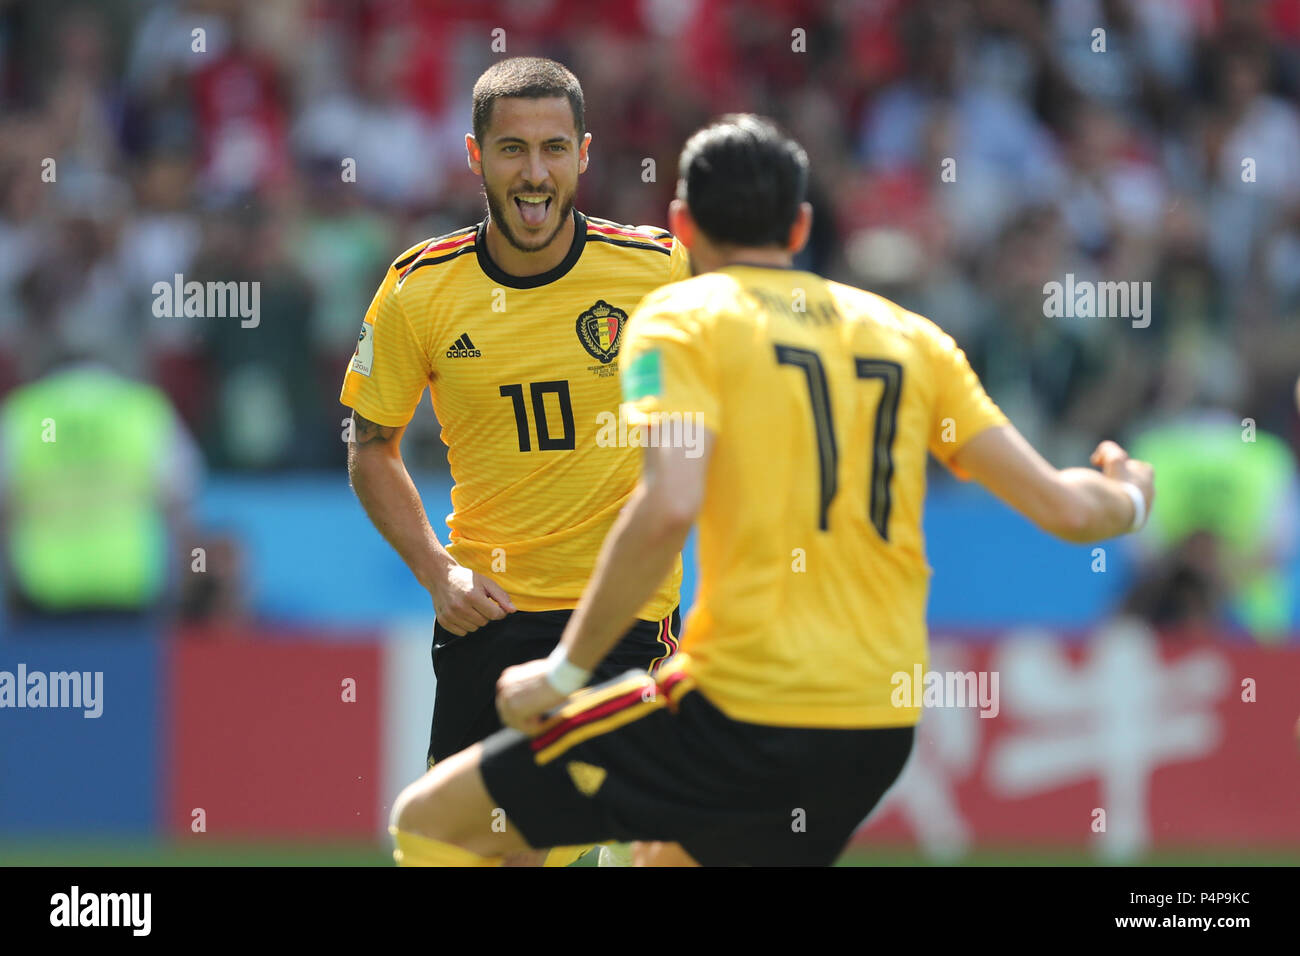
(526, 77)
(743, 179)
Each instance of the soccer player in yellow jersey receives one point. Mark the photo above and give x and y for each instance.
(777, 729)
(515, 326)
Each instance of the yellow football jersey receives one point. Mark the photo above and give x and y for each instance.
(523, 373)
(824, 401)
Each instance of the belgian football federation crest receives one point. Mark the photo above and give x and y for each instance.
(600, 329)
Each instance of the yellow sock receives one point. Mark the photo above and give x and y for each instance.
(415, 850)
(564, 855)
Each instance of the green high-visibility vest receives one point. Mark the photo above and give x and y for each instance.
(1208, 478)
(86, 524)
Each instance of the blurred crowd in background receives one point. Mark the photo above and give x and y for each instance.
(1103, 139)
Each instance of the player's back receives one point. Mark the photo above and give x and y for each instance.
(825, 401)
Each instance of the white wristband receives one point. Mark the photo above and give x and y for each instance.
(562, 675)
(1139, 505)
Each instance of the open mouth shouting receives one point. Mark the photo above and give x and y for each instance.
(533, 208)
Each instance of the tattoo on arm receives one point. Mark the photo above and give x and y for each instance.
(368, 431)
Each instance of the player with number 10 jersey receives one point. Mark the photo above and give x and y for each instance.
(515, 326)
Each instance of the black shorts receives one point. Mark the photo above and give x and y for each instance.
(637, 759)
(467, 668)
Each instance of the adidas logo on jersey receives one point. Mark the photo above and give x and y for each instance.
(463, 348)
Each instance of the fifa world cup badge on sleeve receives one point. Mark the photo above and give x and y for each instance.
(642, 377)
(364, 356)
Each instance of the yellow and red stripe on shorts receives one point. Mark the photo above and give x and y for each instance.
(600, 710)
(669, 640)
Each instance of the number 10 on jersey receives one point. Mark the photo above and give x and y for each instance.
(538, 391)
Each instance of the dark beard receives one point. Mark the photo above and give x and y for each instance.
(497, 214)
